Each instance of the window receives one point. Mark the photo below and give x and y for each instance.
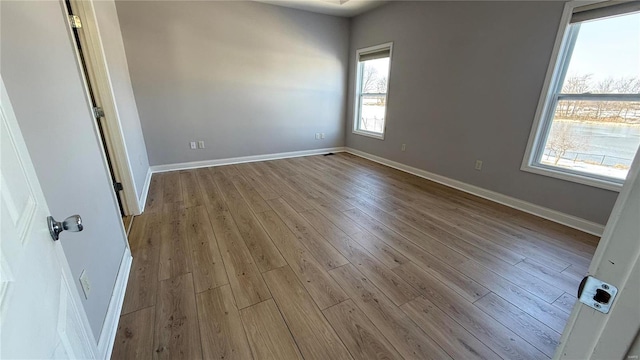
(588, 121)
(372, 84)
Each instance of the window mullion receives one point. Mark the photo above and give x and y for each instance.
(600, 97)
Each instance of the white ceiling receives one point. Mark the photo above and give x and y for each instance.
(345, 8)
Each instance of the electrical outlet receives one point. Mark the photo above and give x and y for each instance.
(321, 135)
(193, 145)
(201, 144)
(317, 136)
(404, 147)
(86, 285)
(478, 164)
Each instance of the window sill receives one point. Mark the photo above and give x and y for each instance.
(369, 134)
(611, 185)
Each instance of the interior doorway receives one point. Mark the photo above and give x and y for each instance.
(98, 112)
(86, 38)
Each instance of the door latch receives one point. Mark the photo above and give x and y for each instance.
(596, 294)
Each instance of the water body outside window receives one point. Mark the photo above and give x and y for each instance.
(592, 135)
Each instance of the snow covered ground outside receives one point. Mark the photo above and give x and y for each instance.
(588, 168)
(372, 118)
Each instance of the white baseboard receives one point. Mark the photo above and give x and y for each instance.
(242, 159)
(145, 192)
(110, 326)
(543, 212)
(229, 161)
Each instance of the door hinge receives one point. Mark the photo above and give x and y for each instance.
(117, 186)
(98, 112)
(75, 22)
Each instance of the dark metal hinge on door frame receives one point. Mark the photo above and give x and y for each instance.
(98, 112)
(118, 186)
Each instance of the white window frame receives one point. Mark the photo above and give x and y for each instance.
(358, 94)
(565, 40)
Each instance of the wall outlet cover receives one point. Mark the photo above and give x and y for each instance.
(478, 164)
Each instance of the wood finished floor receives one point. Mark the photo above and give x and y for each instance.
(338, 257)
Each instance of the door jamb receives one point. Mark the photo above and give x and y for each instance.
(100, 81)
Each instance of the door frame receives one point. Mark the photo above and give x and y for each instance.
(103, 92)
(100, 81)
(590, 333)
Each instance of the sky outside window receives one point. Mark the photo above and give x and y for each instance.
(608, 48)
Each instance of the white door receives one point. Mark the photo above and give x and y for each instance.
(40, 310)
(590, 334)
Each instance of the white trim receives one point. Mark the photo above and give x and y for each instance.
(576, 178)
(369, 134)
(241, 159)
(543, 212)
(100, 80)
(110, 325)
(546, 213)
(229, 161)
(550, 79)
(145, 191)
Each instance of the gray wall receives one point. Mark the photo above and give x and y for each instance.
(465, 82)
(116, 60)
(43, 81)
(634, 351)
(245, 77)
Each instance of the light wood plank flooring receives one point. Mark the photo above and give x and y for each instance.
(337, 257)
(127, 221)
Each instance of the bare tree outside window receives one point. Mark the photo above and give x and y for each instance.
(609, 111)
(576, 84)
(370, 78)
(373, 84)
(564, 138)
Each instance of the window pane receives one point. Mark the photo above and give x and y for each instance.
(374, 76)
(606, 57)
(372, 113)
(593, 137)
